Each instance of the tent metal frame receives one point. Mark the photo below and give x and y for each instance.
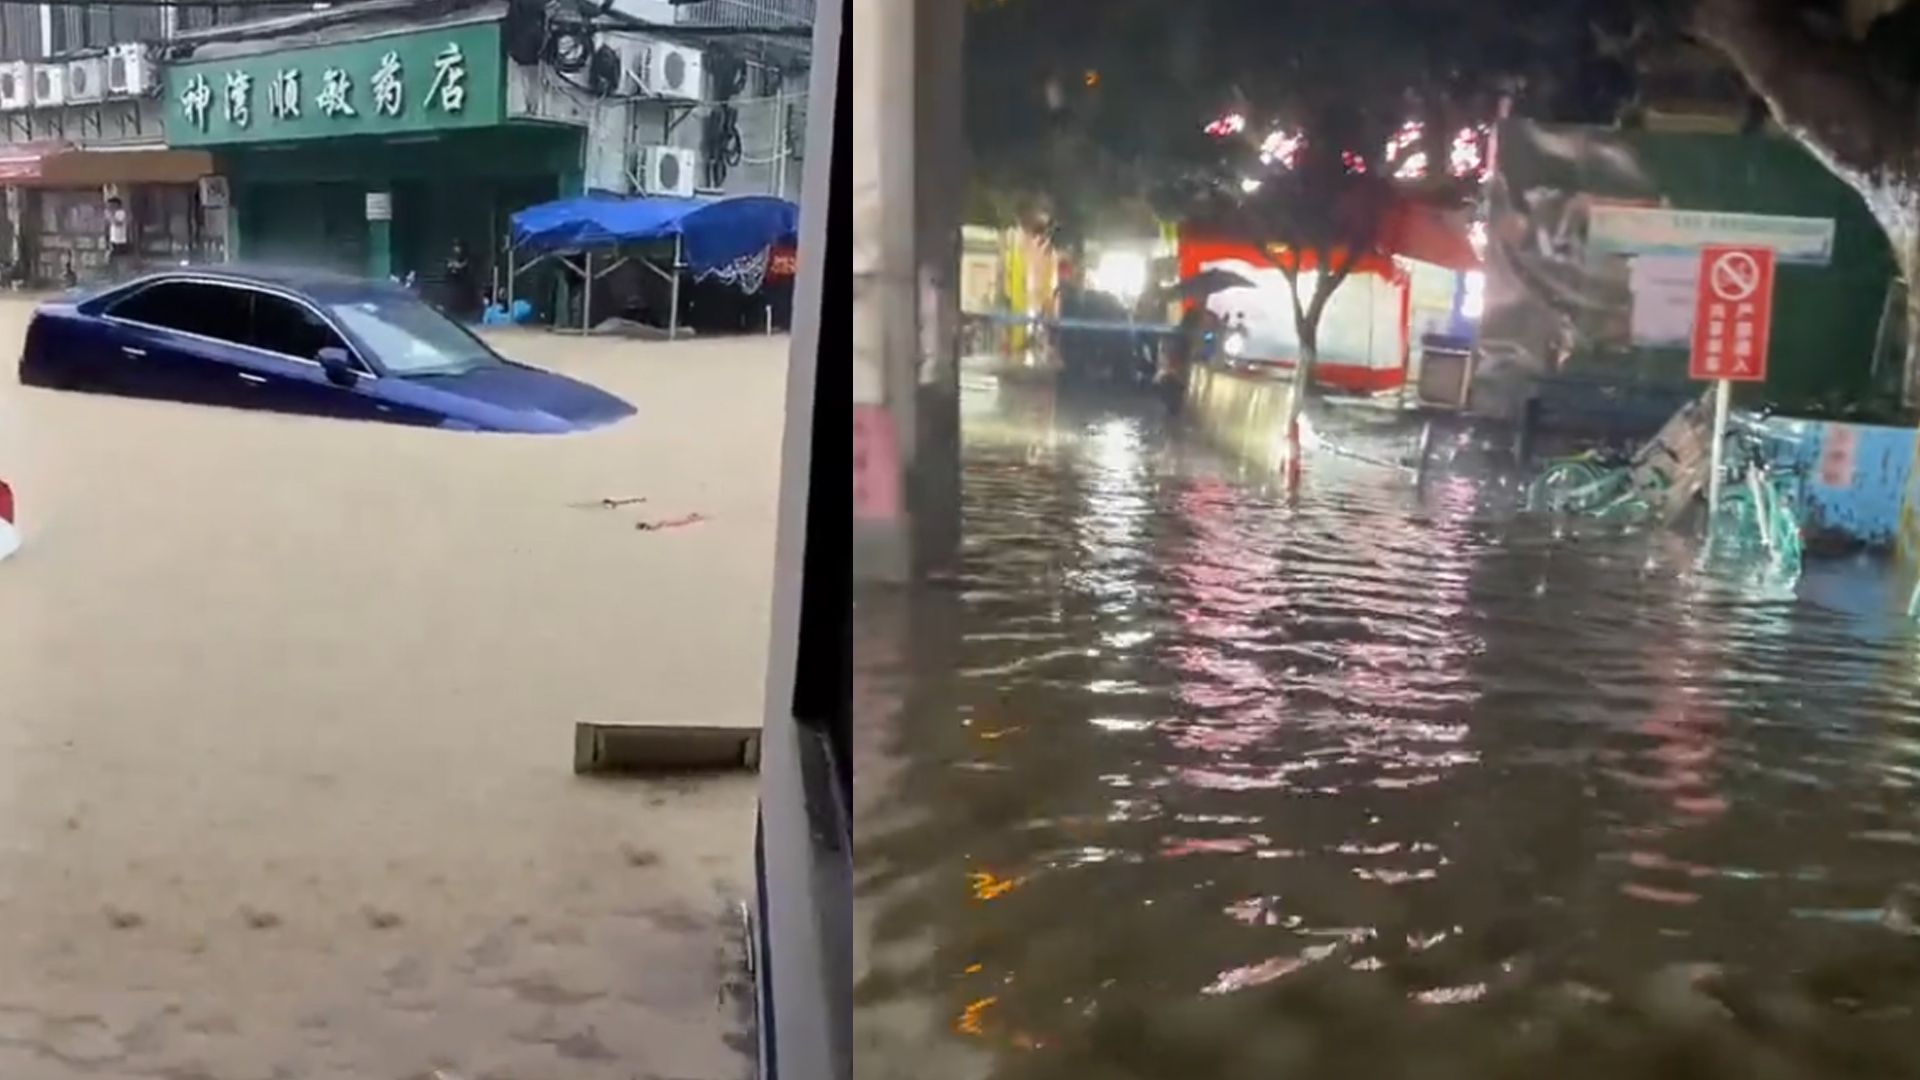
(585, 272)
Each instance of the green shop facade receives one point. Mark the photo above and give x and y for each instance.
(373, 155)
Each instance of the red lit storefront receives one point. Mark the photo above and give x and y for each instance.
(1366, 332)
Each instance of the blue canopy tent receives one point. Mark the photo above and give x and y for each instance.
(707, 234)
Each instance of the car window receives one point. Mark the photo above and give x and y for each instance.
(291, 329)
(195, 307)
(411, 338)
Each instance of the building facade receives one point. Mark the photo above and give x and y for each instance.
(371, 134)
(370, 148)
(374, 137)
(83, 156)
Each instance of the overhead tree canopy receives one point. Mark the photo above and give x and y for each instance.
(1285, 120)
(1109, 96)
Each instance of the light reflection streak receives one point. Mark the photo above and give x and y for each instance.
(1319, 678)
(1684, 728)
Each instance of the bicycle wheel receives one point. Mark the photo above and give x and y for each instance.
(1736, 522)
(1785, 529)
(1571, 487)
(1627, 508)
(1554, 490)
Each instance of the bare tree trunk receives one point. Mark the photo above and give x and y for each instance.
(1308, 354)
(1306, 325)
(1910, 375)
(1302, 382)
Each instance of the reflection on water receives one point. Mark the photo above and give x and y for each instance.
(1185, 778)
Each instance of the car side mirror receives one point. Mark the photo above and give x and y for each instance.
(338, 366)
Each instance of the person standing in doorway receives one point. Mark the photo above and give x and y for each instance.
(460, 281)
(119, 238)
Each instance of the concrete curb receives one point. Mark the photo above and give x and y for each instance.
(610, 748)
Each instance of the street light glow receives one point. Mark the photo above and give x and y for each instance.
(1473, 295)
(1122, 273)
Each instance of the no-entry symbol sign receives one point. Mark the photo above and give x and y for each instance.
(1731, 313)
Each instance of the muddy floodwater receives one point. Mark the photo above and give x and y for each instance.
(286, 712)
(1182, 778)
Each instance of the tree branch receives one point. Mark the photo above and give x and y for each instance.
(1819, 88)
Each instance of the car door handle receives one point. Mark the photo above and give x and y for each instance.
(256, 380)
(131, 351)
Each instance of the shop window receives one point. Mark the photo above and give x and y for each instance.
(163, 218)
(194, 307)
(290, 329)
(96, 26)
(73, 213)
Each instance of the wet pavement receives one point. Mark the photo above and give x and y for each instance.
(1182, 777)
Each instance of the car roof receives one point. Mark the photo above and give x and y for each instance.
(313, 282)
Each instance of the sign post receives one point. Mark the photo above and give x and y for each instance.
(1732, 313)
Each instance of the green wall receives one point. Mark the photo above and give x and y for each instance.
(306, 202)
(1549, 296)
(505, 151)
(1825, 317)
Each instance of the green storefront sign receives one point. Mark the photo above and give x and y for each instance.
(424, 81)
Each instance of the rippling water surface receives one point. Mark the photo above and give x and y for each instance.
(1181, 778)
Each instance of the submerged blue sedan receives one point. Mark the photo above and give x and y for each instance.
(298, 342)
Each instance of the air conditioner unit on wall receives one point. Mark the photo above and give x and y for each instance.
(666, 170)
(632, 52)
(87, 79)
(129, 72)
(16, 85)
(49, 85)
(672, 71)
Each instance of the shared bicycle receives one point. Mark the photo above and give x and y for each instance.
(1596, 483)
(1758, 516)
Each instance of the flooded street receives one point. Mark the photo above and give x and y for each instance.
(286, 713)
(1182, 778)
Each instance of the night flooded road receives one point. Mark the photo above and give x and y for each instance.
(1180, 779)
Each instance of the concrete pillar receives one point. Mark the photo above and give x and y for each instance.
(940, 179)
(909, 177)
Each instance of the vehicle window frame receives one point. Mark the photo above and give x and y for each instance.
(353, 350)
(355, 354)
(109, 311)
(360, 344)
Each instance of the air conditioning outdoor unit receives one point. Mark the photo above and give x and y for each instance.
(632, 52)
(87, 79)
(129, 72)
(16, 85)
(49, 85)
(672, 71)
(666, 170)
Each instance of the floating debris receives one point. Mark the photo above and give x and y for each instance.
(671, 523)
(609, 503)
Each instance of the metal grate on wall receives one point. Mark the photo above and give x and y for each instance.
(745, 13)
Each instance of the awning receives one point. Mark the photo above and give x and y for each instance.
(51, 165)
(712, 232)
(1430, 234)
(22, 161)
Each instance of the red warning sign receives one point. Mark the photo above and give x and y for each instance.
(1733, 307)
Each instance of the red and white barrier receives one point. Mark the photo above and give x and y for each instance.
(9, 535)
